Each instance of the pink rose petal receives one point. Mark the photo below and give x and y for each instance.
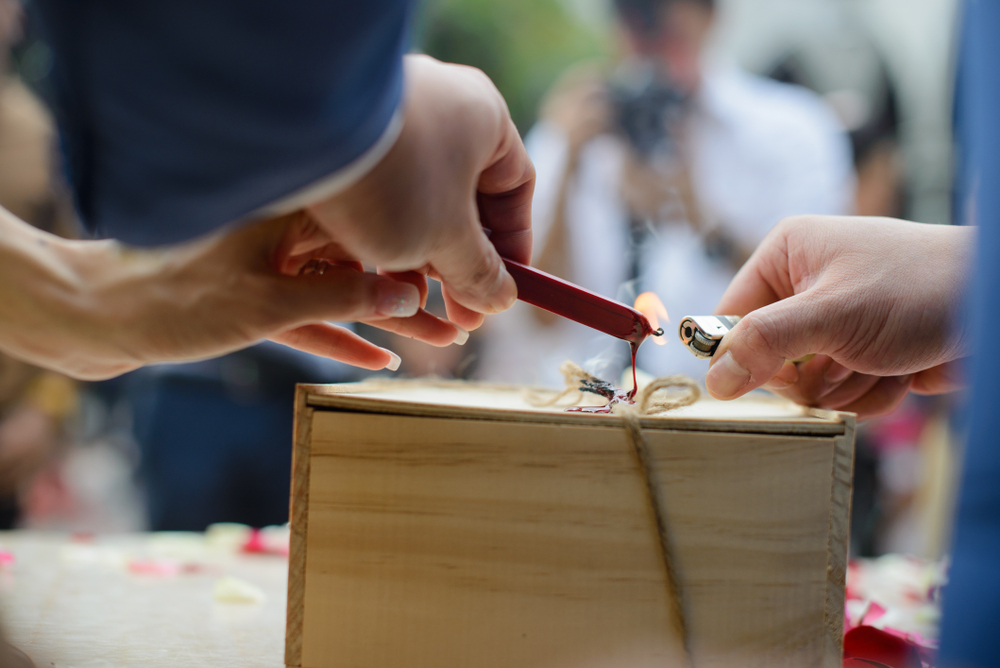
(872, 644)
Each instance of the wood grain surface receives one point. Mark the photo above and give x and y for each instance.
(441, 533)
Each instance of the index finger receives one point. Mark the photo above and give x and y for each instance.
(761, 281)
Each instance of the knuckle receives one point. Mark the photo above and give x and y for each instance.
(793, 228)
(762, 334)
(356, 296)
(790, 223)
(485, 272)
(399, 245)
(480, 78)
(480, 98)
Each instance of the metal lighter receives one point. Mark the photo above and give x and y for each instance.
(703, 333)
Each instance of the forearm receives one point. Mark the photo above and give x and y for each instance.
(58, 309)
(96, 309)
(35, 287)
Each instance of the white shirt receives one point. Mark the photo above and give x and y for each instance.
(759, 151)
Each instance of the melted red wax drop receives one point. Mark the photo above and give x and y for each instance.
(620, 396)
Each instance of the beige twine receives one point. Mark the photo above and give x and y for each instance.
(647, 402)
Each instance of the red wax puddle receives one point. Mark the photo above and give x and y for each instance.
(614, 395)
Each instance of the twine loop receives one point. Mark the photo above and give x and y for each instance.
(661, 395)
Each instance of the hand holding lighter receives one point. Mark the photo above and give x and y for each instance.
(702, 334)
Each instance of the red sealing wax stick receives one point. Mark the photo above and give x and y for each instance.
(583, 306)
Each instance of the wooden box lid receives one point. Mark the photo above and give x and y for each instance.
(761, 412)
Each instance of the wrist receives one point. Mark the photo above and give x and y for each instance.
(118, 294)
(58, 312)
(36, 285)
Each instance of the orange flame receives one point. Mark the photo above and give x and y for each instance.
(650, 306)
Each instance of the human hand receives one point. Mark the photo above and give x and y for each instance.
(458, 167)
(96, 309)
(876, 299)
(579, 104)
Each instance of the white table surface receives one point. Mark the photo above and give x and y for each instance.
(71, 604)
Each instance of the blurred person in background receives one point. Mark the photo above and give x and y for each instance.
(662, 176)
(35, 407)
(35, 404)
(853, 77)
(215, 437)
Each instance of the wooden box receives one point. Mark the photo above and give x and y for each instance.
(456, 526)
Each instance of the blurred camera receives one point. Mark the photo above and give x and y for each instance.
(646, 105)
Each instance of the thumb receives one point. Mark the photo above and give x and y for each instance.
(754, 351)
(472, 269)
(504, 197)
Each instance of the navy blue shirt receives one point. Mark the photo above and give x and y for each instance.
(179, 116)
(971, 622)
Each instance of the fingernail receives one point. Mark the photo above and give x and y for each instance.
(726, 377)
(394, 361)
(506, 294)
(397, 299)
(461, 337)
(777, 383)
(787, 376)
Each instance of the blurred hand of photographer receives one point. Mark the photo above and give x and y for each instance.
(876, 299)
(458, 167)
(580, 106)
